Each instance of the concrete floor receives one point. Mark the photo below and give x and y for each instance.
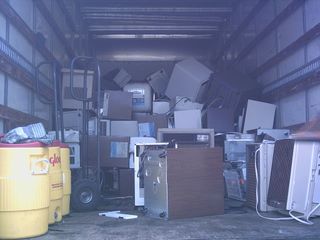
(237, 223)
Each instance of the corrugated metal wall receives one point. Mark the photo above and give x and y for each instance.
(302, 106)
(13, 93)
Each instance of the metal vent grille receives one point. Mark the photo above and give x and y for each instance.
(280, 173)
(251, 176)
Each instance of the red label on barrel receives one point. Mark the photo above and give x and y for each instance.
(54, 160)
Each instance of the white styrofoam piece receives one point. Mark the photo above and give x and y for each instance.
(118, 214)
(188, 119)
(160, 107)
(259, 115)
(124, 128)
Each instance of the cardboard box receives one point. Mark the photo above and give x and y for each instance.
(189, 78)
(159, 120)
(114, 151)
(122, 78)
(158, 81)
(117, 105)
(124, 128)
(187, 119)
(160, 107)
(78, 84)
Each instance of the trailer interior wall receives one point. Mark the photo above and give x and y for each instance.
(21, 24)
(141, 57)
(279, 46)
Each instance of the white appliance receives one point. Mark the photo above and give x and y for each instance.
(74, 155)
(142, 96)
(258, 115)
(190, 79)
(187, 119)
(259, 161)
(133, 142)
(140, 155)
(295, 176)
(303, 192)
(104, 127)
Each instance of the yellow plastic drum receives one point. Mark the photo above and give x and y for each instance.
(24, 190)
(66, 176)
(56, 184)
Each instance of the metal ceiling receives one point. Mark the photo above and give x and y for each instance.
(160, 19)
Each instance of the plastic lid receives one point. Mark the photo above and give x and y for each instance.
(64, 145)
(55, 143)
(22, 145)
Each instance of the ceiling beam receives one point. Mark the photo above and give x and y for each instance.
(197, 10)
(158, 3)
(146, 28)
(154, 36)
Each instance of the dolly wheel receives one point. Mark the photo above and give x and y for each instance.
(85, 195)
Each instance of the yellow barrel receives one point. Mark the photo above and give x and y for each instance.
(24, 190)
(66, 176)
(56, 185)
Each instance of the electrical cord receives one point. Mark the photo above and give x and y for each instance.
(307, 221)
(183, 98)
(141, 164)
